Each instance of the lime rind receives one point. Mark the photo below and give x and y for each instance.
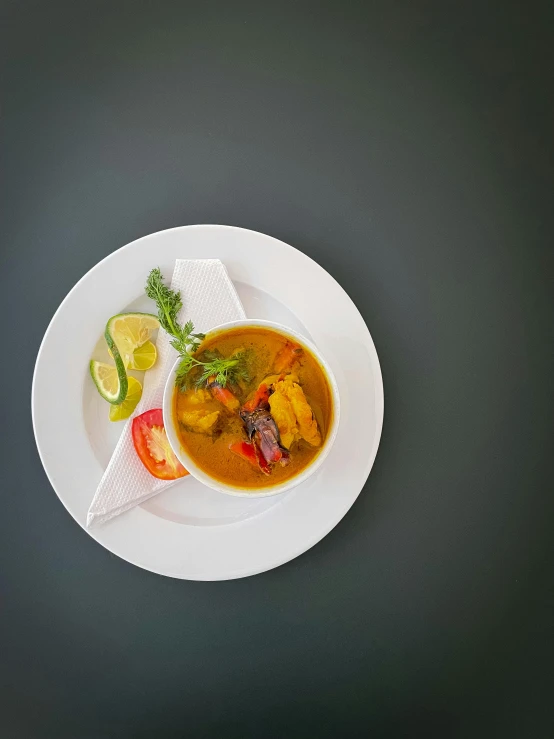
(114, 399)
(122, 411)
(131, 314)
(120, 366)
(118, 316)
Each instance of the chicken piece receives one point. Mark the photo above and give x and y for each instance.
(272, 380)
(196, 410)
(196, 397)
(292, 377)
(283, 415)
(201, 421)
(307, 425)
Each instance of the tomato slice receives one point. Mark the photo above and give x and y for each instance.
(153, 448)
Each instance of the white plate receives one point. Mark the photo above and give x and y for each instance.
(190, 531)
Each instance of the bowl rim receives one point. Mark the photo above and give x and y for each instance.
(188, 462)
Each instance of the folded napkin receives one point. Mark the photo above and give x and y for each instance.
(209, 299)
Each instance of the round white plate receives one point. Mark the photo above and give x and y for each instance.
(190, 531)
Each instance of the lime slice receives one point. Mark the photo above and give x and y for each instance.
(144, 357)
(111, 381)
(123, 410)
(127, 331)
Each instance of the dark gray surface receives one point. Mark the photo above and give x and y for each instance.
(404, 146)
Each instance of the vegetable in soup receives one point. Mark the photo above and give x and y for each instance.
(268, 423)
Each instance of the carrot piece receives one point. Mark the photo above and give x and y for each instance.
(287, 356)
(222, 394)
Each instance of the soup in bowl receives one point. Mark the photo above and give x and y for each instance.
(265, 428)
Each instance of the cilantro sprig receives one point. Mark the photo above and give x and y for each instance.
(186, 341)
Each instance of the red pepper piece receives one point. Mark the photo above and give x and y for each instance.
(261, 396)
(248, 451)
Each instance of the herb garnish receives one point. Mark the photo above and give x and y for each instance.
(191, 369)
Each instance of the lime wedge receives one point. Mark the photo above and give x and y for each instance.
(144, 357)
(123, 410)
(128, 331)
(111, 381)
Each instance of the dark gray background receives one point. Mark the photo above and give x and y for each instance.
(406, 146)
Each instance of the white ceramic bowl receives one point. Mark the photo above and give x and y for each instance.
(204, 477)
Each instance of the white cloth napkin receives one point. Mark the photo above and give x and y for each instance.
(209, 299)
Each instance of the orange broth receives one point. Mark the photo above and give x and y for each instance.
(211, 451)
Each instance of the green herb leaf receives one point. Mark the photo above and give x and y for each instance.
(186, 342)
